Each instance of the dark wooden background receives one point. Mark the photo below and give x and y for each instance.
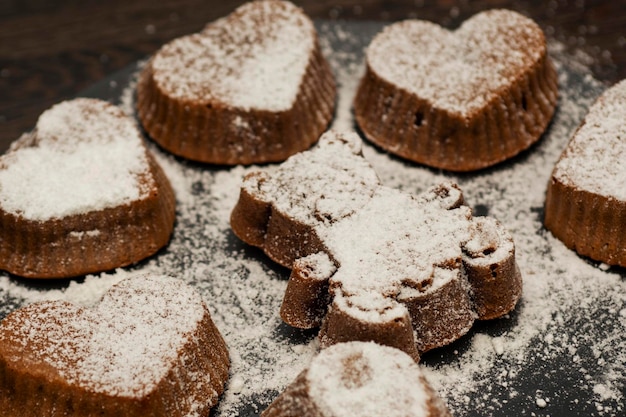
(52, 49)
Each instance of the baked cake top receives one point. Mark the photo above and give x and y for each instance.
(328, 183)
(594, 158)
(366, 379)
(84, 155)
(384, 255)
(460, 71)
(254, 58)
(123, 346)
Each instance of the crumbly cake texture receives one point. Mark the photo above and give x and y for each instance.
(370, 262)
(461, 100)
(148, 348)
(359, 379)
(81, 194)
(251, 87)
(586, 200)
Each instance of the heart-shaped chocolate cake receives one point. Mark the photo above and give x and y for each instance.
(81, 194)
(460, 100)
(252, 87)
(586, 197)
(149, 348)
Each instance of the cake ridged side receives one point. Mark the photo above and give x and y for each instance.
(205, 354)
(441, 317)
(89, 242)
(409, 126)
(586, 222)
(219, 134)
(182, 392)
(259, 223)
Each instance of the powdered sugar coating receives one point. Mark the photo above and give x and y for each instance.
(343, 181)
(126, 343)
(486, 239)
(254, 58)
(366, 379)
(390, 247)
(84, 155)
(594, 158)
(459, 71)
(382, 246)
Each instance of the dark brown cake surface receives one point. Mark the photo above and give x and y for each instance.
(370, 262)
(251, 87)
(460, 100)
(81, 194)
(148, 348)
(586, 198)
(359, 379)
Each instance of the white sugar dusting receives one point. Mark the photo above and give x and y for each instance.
(594, 158)
(382, 244)
(366, 380)
(375, 233)
(296, 192)
(460, 70)
(84, 155)
(572, 311)
(254, 58)
(132, 351)
(126, 343)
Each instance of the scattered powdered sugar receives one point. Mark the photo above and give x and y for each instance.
(84, 155)
(365, 379)
(85, 293)
(457, 70)
(254, 58)
(562, 352)
(90, 233)
(594, 159)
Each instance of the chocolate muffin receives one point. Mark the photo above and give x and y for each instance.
(586, 201)
(461, 100)
(252, 87)
(148, 348)
(81, 194)
(359, 379)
